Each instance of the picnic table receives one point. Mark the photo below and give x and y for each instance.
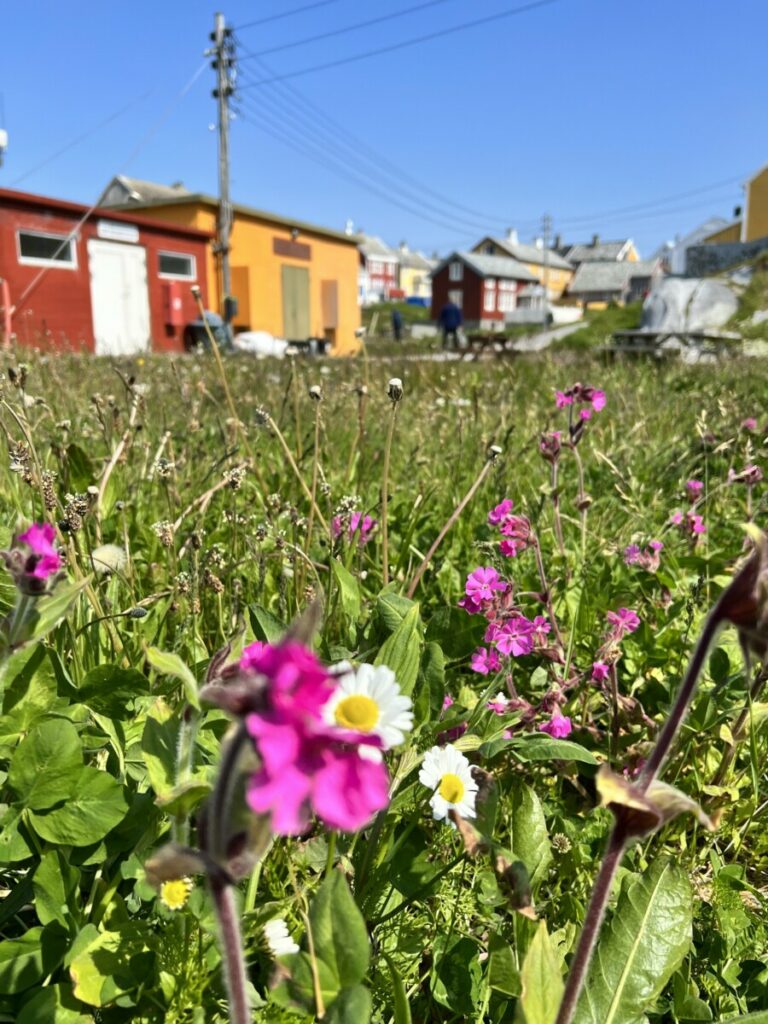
(666, 344)
(484, 341)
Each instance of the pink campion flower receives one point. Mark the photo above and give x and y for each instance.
(485, 661)
(482, 583)
(656, 546)
(549, 446)
(249, 659)
(541, 628)
(515, 637)
(558, 727)
(500, 705)
(693, 488)
(749, 476)
(600, 671)
(562, 399)
(696, 524)
(631, 554)
(492, 632)
(44, 560)
(676, 518)
(624, 620)
(471, 606)
(500, 512)
(358, 524)
(585, 414)
(750, 423)
(597, 398)
(448, 701)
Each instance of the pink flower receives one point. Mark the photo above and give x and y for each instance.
(540, 629)
(696, 524)
(694, 488)
(750, 423)
(597, 399)
(485, 661)
(562, 399)
(750, 476)
(549, 446)
(358, 523)
(499, 705)
(558, 727)
(676, 518)
(515, 637)
(624, 620)
(44, 560)
(499, 513)
(482, 583)
(631, 554)
(307, 765)
(656, 546)
(585, 414)
(599, 671)
(447, 701)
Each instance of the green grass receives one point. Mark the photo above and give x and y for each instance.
(599, 327)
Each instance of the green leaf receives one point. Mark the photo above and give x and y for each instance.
(54, 882)
(401, 651)
(339, 934)
(169, 664)
(390, 610)
(53, 1005)
(46, 765)
(457, 632)
(761, 1017)
(159, 743)
(349, 591)
(529, 838)
(456, 974)
(14, 844)
(353, 1006)
(401, 1011)
(109, 965)
(95, 807)
(648, 936)
(502, 974)
(27, 960)
(80, 471)
(111, 690)
(428, 699)
(541, 981)
(51, 609)
(545, 748)
(265, 626)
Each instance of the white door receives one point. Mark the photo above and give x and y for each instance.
(119, 297)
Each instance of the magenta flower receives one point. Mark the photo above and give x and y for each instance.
(485, 661)
(44, 560)
(585, 414)
(447, 701)
(540, 630)
(597, 399)
(624, 620)
(656, 546)
(694, 488)
(549, 446)
(483, 583)
(750, 423)
(676, 518)
(749, 476)
(500, 512)
(307, 765)
(599, 671)
(558, 727)
(515, 637)
(696, 524)
(562, 399)
(358, 523)
(631, 554)
(499, 705)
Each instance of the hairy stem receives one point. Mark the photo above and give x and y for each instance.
(558, 524)
(231, 947)
(546, 593)
(385, 497)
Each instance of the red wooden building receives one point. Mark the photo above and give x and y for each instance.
(110, 283)
(485, 288)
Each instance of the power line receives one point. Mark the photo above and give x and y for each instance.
(409, 42)
(347, 28)
(285, 14)
(80, 138)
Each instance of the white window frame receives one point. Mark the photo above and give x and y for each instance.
(36, 261)
(507, 302)
(456, 296)
(489, 300)
(456, 271)
(177, 255)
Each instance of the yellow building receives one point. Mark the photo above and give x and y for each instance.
(293, 279)
(756, 207)
(414, 272)
(729, 233)
(550, 264)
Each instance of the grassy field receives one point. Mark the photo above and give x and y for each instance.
(197, 518)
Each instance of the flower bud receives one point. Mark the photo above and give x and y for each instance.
(195, 289)
(494, 451)
(395, 389)
(315, 393)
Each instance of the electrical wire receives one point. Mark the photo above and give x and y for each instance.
(414, 41)
(347, 28)
(80, 138)
(284, 14)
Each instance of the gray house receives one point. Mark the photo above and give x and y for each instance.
(599, 283)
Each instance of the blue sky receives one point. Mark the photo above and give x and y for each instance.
(577, 108)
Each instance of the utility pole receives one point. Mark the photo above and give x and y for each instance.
(224, 64)
(546, 228)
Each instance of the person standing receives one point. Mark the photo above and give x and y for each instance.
(450, 321)
(397, 324)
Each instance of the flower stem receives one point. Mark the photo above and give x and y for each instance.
(385, 497)
(558, 525)
(738, 727)
(546, 594)
(313, 492)
(450, 523)
(296, 471)
(232, 957)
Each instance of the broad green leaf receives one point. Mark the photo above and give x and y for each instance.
(529, 836)
(54, 882)
(349, 591)
(456, 975)
(761, 1017)
(108, 966)
(53, 1005)
(265, 626)
(111, 690)
(545, 748)
(390, 610)
(648, 936)
(430, 691)
(30, 693)
(14, 844)
(94, 808)
(47, 764)
(353, 1006)
(50, 610)
(338, 931)
(25, 961)
(169, 664)
(457, 632)
(159, 744)
(79, 469)
(401, 651)
(401, 1011)
(502, 974)
(540, 980)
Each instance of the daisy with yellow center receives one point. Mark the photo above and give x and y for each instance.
(368, 700)
(175, 893)
(447, 772)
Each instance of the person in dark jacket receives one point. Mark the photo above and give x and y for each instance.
(397, 324)
(450, 321)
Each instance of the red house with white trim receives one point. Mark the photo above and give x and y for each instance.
(105, 282)
(485, 288)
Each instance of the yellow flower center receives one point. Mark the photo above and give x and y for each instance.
(357, 712)
(175, 893)
(451, 788)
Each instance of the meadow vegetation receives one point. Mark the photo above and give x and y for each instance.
(539, 644)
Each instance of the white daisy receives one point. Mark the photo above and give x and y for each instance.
(278, 938)
(447, 773)
(368, 699)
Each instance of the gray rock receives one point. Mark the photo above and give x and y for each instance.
(688, 304)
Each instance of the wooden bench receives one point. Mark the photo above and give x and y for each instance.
(481, 341)
(653, 344)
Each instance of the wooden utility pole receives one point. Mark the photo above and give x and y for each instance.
(546, 228)
(224, 63)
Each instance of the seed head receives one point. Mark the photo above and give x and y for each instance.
(315, 393)
(494, 451)
(195, 289)
(395, 389)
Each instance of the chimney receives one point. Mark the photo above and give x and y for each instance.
(595, 241)
(512, 236)
(539, 243)
(349, 227)
(558, 242)
(404, 247)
